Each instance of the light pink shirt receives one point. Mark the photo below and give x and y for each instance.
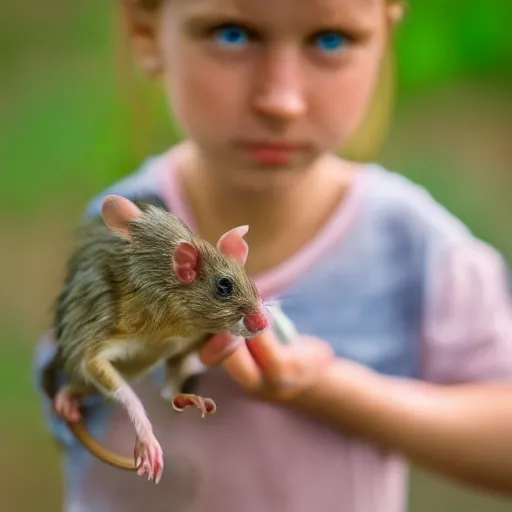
(393, 281)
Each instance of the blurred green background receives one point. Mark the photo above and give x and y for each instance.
(71, 123)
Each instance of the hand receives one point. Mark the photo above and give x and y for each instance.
(266, 368)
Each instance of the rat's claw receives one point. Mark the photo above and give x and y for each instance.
(149, 458)
(183, 400)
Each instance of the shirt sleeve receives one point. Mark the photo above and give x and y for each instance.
(44, 353)
(468, 317)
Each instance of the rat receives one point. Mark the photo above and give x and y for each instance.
(142, 289)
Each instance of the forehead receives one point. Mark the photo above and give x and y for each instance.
(325, 12)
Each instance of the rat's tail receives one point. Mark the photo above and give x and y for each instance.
(99, 451)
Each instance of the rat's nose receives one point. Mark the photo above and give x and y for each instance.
(256, 323)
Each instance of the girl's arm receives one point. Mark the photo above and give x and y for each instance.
(463, 432)
(458, 420)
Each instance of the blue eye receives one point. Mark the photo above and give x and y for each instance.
(330, 41)
(232, 35)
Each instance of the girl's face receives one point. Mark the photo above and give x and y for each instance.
(266, 85)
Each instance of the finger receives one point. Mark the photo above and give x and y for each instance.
(266, 351)
(307, 358)
(218, 348)
(314, 349)
(242, 368)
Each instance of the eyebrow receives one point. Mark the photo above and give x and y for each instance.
(195, 23)
(203, 13)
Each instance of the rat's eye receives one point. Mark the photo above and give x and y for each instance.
(224, 287)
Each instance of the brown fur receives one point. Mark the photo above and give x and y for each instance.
(120, 289)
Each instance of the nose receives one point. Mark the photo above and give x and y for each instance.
(278, 93)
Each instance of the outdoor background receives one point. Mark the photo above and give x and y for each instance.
(66, 132)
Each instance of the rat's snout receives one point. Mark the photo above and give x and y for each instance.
(257, 322)
(251, 325)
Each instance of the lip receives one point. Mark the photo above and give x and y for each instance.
(272, 152)
(275, 145)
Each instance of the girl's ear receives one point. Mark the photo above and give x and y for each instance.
(395, 11)
(140, 24)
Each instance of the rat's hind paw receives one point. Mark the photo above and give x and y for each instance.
(149, 457)
(205, 405)
(67, 404)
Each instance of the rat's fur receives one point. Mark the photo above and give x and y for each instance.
(120, 292)
(140, 289)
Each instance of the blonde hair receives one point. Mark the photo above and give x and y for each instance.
(371, 133)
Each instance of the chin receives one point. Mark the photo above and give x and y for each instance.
(241, 171)
(267, 178)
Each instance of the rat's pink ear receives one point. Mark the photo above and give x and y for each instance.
(117, 212)
(233, 245)
(186, 262)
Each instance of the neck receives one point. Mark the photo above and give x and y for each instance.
(287, 214)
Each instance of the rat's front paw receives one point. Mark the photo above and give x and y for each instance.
(205, 405)
(149, 457)
(67, 404)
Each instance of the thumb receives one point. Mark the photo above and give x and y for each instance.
(249, 363)
(265, 349)
(218, 348)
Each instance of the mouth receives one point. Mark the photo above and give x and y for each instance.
(273, 153)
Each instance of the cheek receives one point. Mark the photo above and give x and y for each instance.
(350, 92)
(204, 99)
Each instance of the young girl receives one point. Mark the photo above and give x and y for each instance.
(403, 315)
